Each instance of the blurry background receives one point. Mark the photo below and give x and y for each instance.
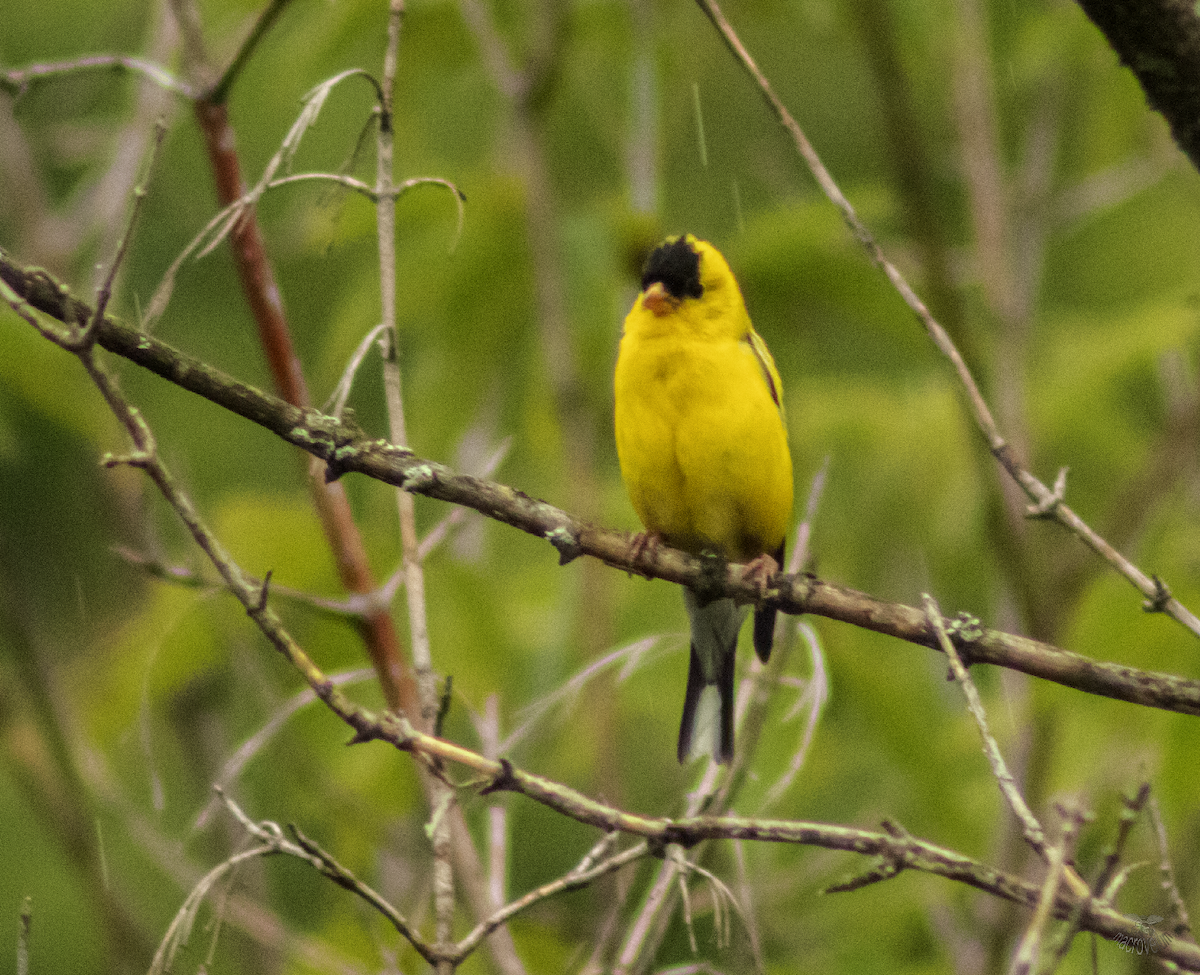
(1009, 166)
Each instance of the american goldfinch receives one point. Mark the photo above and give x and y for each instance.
(702, 443)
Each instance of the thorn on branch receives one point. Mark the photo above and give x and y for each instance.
(334, 467)
(886, 870)
(566, 542)
(307, 845)
(1131, 806)
(892, 862)
(1046, 507)
(502, 781)
(364, 731)
(1158, 602)
(264, 592)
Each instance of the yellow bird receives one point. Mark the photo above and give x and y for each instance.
(702, 442)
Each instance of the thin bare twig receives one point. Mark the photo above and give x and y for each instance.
(816, 688)
(1132, 807)
(812, 701)
(270, 840)
(1182, 924)
(1028, 953)
(630, 657)
(1034, 835)
(584, 873)
(441, 796)
(17, 80)
(104, 292)
(180, 928)
(220, 91)
(746, 893)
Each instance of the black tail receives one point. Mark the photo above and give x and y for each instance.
(695, 687)
(764, 632)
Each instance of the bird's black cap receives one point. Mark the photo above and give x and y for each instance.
(677, 265)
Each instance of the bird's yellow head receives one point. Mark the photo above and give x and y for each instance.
(687, 278)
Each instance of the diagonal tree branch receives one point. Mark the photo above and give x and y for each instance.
(344, 448)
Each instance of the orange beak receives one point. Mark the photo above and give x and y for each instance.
(658, 300)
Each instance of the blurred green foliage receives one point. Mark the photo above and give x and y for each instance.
(122, 696)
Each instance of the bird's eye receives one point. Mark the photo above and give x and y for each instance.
(677, 266)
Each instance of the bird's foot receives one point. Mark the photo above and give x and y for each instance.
(758, 572)
(643, 545)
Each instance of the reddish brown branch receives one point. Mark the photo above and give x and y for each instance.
(377, 628)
